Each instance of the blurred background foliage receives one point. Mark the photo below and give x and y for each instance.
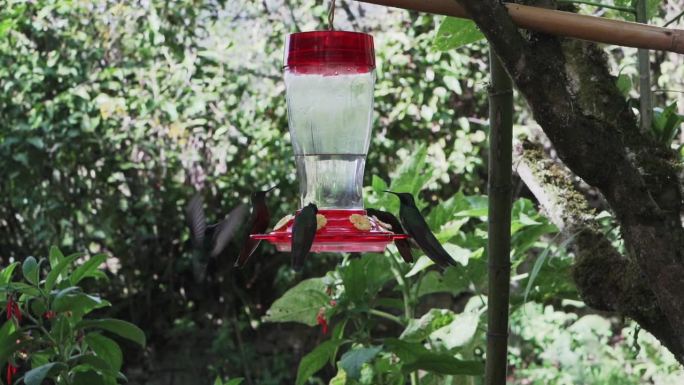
(114, 113)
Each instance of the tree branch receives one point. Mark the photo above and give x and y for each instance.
(574, 98)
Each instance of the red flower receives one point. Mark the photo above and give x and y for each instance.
(12, 309)
(320, 319)
(49, 315)
(11, 371)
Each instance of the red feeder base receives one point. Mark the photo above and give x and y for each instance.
(338, 231)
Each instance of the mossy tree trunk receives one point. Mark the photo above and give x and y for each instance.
(575, 100)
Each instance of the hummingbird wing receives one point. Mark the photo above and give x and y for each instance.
(403, 245)
(197, 222)
(303, 234)
(226, 229)
(258, 223)
(419, 230)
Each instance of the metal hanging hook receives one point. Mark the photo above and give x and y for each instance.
(331, 16)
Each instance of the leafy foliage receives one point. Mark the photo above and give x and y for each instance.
(46, 331)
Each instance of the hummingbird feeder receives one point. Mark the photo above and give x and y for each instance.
(329, 80)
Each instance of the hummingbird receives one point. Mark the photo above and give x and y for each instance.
(403, 245)
(418, 229)
(303, 234)
(209, 240)
(258, 223)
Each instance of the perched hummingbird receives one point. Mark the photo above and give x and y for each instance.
(403, 245)
(210, 240)
(303, 234)
(418, 229)
(258, 223)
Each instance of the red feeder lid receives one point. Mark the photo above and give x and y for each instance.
(318, 51)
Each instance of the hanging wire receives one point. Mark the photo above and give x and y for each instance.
(331, 16)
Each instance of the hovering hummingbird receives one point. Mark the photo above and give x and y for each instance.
(303, 234)
(418, 229)
(403, 245)
(210, 240)
(258, 223)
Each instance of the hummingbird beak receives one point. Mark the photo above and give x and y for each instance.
(273, 188)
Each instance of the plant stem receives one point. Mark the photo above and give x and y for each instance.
(674, 19)
(499, 231)
(408, 301)
(645, 96)
(387, 316)
(594, 4)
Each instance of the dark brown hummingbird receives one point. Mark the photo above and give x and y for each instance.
(418, 229)
(303, 234)
(258, 223)
(403, 245)
(209, 240)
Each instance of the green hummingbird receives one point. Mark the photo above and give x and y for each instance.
(258, 223)
(209, 240)
(403, 245)
(303, 234)
(418, 229)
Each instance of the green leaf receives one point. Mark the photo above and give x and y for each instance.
(55, 256)
(88, 269)
(420, 329)
(57, 270)
(365, 276)
(624, 84)
(415, 356)
(235, 381)
(37, 375)
(105, 348)
(6, 273)
(300, 304)
(339, 379)
(444, 363)
(72, 299)
(87, 377)
(421, 264)
(121, 328)
(315, 360)
(455, 33)
(353, 360)
(460, 331)
(30, 270)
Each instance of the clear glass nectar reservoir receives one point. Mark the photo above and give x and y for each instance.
(329, 79)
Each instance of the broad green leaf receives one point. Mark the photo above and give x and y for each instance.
(87, 377)
(420, 329)
(30, 270)
(433, 282)
(57, 270)
(88, 269)
(235, 381)
(106, 349)
(458, 253)
(55, 256)
(37, 375)
(121, 328)
(315, 360)
(340, 378)
(454, 33)
(624, 84)
(444, 363)
(352, 361)
(414, 356)
(72, 299)
(421, 264)
(300, 304)
(365, 276)
(459, 332)
(6, 273)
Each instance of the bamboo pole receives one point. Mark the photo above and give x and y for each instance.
(565, 24)
(499, 229)
(645, 95)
